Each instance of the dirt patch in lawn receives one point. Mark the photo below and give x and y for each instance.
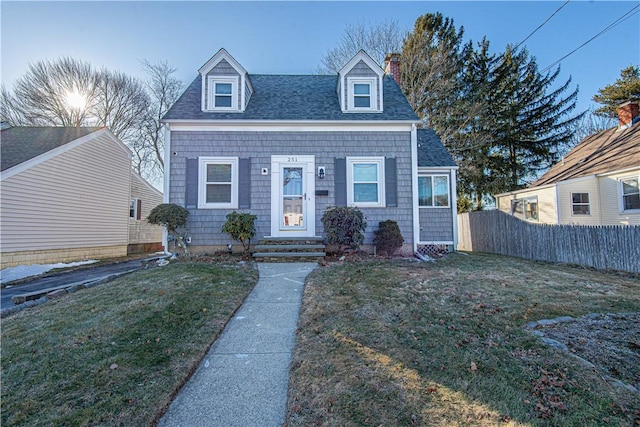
(610, 342)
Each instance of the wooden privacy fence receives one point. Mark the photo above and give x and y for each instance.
(611, 247)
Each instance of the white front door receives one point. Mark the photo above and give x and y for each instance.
(292, 196)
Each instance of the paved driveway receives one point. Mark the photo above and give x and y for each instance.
(83, 275)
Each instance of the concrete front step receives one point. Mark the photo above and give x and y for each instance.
(289, 254)
(290, 248)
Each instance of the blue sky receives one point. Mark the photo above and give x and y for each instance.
(291, 37)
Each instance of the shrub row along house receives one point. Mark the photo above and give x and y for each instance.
(68, 194)
(596, 183)
(287, 147)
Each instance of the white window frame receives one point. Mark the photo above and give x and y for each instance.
(373, 93)
(379, 162)
(433, 198)
(211, 93)
(202, 182)
(587, 204)
(526, 200)
(621, 192)
(133, 209)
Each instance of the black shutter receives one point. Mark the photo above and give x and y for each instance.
(191, 184)
(391, 182)
(244, 180)
(340, 181)
(139, 209)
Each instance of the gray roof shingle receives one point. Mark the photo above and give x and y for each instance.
(431, 152)
(19, 144)
(293, 97)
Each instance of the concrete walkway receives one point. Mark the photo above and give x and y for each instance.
(243, 380)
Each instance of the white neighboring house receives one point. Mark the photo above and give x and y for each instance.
(597, 183)
(66, 195)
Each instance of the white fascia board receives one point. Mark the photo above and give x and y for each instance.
(439, 169)
(525, 190)
(63, 149)
(620, 171)
(290, 126)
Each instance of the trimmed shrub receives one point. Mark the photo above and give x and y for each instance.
(388, 238)
(172, 217)
(344, 226)
(241, 227)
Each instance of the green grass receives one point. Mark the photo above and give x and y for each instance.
(116, 354)
(397, 343)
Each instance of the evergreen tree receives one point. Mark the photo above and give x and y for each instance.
(626, 88)
(530, 119)
(430, 66)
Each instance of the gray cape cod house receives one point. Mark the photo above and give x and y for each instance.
(286, 147)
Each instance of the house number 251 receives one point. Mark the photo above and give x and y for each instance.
(292, 159)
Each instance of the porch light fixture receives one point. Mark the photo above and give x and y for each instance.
(321, 172)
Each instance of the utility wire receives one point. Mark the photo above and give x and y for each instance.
(541, 25)
(624, 17)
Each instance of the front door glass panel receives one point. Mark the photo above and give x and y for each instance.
(292, 197)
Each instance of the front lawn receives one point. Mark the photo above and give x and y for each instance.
(400, 343)
(117, 353)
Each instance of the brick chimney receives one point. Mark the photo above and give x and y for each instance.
(627, 113)
(392, 66)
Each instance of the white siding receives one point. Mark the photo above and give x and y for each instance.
(139, 230)
(546, 203)
(611, 200)
(79, 198)
(584, 185)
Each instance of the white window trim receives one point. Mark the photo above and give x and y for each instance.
(133, 208)
(621, 194)
(379, 161)
(580, 204)
(202, 178)
(373, 93)
(432, 176)
(211, 96)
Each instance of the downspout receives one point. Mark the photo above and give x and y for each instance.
(558, 207)
(454, 208)
(167, 173)
(414, 186)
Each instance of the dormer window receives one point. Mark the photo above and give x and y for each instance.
(226, 86)
(223, 93)
(363, 94)
(360, 85)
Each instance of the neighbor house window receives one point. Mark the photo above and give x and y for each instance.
(223, 93)
(580, 204)
(362, 94)
(218, 182)
(365, 181)
(433, 191)
(525, 208)
(630, 190)
(135, 206)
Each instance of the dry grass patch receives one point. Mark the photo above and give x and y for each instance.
(399, 343)
(116, 354)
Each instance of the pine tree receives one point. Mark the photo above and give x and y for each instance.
(626, 88)
(530, 121)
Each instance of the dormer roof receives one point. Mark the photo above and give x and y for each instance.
(222, 55)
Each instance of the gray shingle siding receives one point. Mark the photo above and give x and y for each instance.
(436, 225)
(204, 224)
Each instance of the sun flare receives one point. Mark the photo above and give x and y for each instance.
(76, 100)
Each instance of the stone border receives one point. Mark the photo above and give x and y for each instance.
(533, 328)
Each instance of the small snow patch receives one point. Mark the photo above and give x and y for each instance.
(22, 271)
